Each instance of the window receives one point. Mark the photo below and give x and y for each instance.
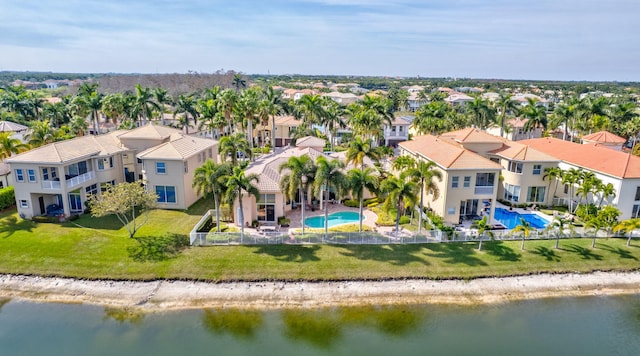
(92, 189)
(186, 167)
(511, 192)
(105, 185)
(537, 169)
(31, 173)
(636, 211)
(104, 163)
(566, 189)
(77, 169)
(1, 184)
(485, 179)
(49, 173)
(451, 211)
(24, 204)
(161, 168)
(19, 175)
(455, 181)
(139, 161)
(637, 194)
(267, 207)
(515, 167)
(166, 193)
(210, 153)
(535, 194)
(467, 182)
(400, 128)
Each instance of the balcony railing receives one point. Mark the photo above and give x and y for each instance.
(77, 180)
(484, 190)
(51, 185)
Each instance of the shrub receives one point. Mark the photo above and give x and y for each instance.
(404, 220)
(371, 201)
(7, 198)
(584, 211)
(352, 203)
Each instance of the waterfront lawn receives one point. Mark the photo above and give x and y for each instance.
(100, 249)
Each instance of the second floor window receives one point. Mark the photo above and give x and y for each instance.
(467, 182)
(537, 169)
(32, 175)
(455, 181)
(161, 168)
(515, 167)
(19, 175)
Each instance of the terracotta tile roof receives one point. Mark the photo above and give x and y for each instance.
(592, 157)
(472, 135)
(517, 122)
(180, 147)
(519, 152)
(69, 150)
(604, 137)
(287, 121)
(447, 153)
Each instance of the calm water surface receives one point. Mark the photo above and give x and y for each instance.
(567, 326)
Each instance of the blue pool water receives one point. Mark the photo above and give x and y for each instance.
(339, 218)
(511, 219)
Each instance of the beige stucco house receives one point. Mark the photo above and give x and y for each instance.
(66, 173)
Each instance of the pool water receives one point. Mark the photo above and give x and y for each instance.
(339, 218)
(511, 219)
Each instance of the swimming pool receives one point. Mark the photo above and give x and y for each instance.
(339, 218)
(511, 219)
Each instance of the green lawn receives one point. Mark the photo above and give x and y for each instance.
(100, 249)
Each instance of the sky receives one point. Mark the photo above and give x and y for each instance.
(500, 39)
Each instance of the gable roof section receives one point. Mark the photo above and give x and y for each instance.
(519, 152)
(180, 147)
(604, 137)
(8, 126)
(471, 135)
(287, 121)
(447, 153)
(310, 141)
(267, 168)
(70, 150)
(149, 132)
(593, 157)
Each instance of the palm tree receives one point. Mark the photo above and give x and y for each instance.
(186, 105)
(332, 119)
(90, 104)
(559, 224)
(628, 226)
(525, 228)
(237, 183)
(301, 172)
(230, 146)
(607, 191)
(505, 104)
(247, 110)
(434, 118)
(161, 97)
(113, 106)
(403, 163)
(482, 115)
(552, 173)
(41, 133)
(272, 105)
(536, 116)
(239, 82)
(10, 145)
(358, 180)
(208, 111)
(483, 228)
(144, 103)
(227, 101)
(424, 174)
(566, 114)
(358, 150)
(400, 192)
(328, 174)
(210, 179)
(571, 177)
(311, 109)
(79, 125)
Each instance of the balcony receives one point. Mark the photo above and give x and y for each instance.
(484, 190)
(51, 185)
(77, 180)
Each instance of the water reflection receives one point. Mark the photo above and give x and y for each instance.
(123, 315)
(4, 301)
(324, 327)
(242, 324)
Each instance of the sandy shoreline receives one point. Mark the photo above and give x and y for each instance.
(168, 295)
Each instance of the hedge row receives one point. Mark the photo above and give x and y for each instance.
(7, 198)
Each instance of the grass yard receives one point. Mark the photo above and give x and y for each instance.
(100, 249)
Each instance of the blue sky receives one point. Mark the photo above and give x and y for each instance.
(506, 39)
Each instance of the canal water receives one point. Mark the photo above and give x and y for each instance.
(563, 326)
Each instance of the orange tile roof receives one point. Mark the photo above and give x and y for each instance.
(472, 135)
(519, 152)
(604, 137)
(592, 157)
(447, 153)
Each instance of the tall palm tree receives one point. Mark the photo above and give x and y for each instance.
(162, 98)
(210, 179)
(424, 174)
(10, 145)
(400, 192)
(90, 104)
(329, 174)
(552, 174)
(144, 103)
(358, 180)
(227, 101)
(113, 106)
(272, 105)
(247, 110)
(481, 114)
(628, 226)
(79, 126)
(208, 111)
(566, 114)
(360, 149)
(311, 109)
(186, 105)
(559, 224)
(606, 191)
(434, 118)
(505, 104)
(41, 133)
(571, 177)
(239, 82)
(300, 174)
(237, 183)
(535, 114)
(525, 228)
(230, 146)
(332, 119)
